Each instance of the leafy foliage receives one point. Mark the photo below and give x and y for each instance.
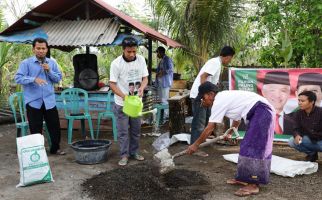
(203, 26)
(289, 32)
(105, 57)
(4, 58)
(246, 53)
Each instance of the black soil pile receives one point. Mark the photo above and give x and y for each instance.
(142, 181)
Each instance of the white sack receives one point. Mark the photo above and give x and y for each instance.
(283, 166)
(164, 140)
(33, 161)
(182, 137)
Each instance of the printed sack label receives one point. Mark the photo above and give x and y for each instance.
(33, 161)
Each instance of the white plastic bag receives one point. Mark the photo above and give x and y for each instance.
(33, 161)
(284, 166)
(162, 142)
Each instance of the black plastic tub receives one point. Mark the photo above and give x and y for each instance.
(91, 152)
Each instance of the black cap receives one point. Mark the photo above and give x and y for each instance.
(160, 50)
(205, 88)
(277, 77)
(309, 79)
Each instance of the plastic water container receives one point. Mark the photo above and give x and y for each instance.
(133, 106)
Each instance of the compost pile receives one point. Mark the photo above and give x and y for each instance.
(143, 181)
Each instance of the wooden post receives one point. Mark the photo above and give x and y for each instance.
(87, 18)
(150, 61)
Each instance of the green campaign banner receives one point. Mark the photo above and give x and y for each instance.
(246, 80)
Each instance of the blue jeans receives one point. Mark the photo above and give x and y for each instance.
(307, 146)
(200, 119)
(128, 132)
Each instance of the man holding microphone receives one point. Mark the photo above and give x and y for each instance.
(37, 75)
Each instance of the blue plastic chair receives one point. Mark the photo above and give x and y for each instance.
(75, 103)
(159, 108)
(108, 113)
(17, 103)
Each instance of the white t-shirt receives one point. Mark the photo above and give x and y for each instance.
(234, 104)
(128, 75)
(213, 68)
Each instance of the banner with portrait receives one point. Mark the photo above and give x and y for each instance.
(280, 87)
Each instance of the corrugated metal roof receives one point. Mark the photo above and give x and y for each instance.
(75, 9)
(81, 33)
(148, 31)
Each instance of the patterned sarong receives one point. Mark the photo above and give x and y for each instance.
(254, 161)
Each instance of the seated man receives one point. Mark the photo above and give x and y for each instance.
(308, 126)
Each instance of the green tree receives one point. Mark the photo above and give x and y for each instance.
(289, 32)
(246, 54)
(104, 59)
(4, 59)
(203, 26)
(130, 8)
(12, 54)
(65, 63)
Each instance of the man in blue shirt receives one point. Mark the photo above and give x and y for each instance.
(164, 76)
(37, 75)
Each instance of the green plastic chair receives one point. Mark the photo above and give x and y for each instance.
(108, 113)
(159, 108)
(17, 103)
(75, 103)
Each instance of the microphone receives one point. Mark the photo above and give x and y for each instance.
(43, 61)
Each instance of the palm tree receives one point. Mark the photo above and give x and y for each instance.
(203, 26)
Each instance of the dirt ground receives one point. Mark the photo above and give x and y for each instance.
(143, 181)
(69, 175)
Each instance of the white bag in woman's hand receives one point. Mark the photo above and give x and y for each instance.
(33, 161)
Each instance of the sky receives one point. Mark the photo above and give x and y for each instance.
(22, 6)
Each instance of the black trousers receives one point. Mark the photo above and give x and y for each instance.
(36, 117)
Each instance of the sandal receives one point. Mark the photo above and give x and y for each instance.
(235, 182)
(137, 157)
(247, 191)
(59, 152)
(123, 161)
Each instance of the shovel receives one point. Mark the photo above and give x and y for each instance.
(165, 159)
(210, 141)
